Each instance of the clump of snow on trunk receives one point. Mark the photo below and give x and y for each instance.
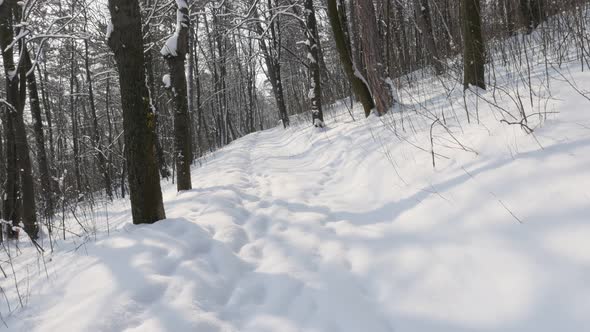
(170, 47)
(166, 81)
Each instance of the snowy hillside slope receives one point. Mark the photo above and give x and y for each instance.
(349, 229)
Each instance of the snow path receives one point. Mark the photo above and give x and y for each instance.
(347, 229)
(277, 229)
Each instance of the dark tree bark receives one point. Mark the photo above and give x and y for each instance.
(19, 203)
(220, 42)
(127, 43)
(401, 39)
(101, 154)
(73, 113)
(272, 60)
(250, 85)
(474, 48)
(372, 54)
(163, 166)
(42, 160)
(360, 89)
(192, 63)
(313, 49)
(175, 51)
(109, 124)
(74, 119)
(217, 65)
(9, 205)
(425, 23)
(533, 13)
(508, 15)
(47, 106)
(2, 172)
(96, 138)
(25, 167)
(327, 95)
(197, 106)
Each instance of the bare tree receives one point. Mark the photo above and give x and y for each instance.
(125, 39)
(474, 48)
(359, 86)
(42, 160)
(270, 44)
(424, 18)
(533, 13)
(372, 53)
(19, 204)
(313, 49)
(175, 51)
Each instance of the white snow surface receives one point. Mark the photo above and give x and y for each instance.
(166, 81)
(110, 29)
(346, 229)
(170, 46)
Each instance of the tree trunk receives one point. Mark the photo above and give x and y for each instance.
(313, 49)
(175, 52)
(47, 105)
(25, 167)
(109, 124)
(474, 48)
(533, 13)
(142, 168)
(192, 62)
(372, 53)
(163, 167)
(508, 15)
(45, 175)
(102, 159)
(74, 119)
(197, 103)
(425, 23)
(19, 201)
(221, 78)
(273, 65)
(277, 87)
(2, 173)
(359, 86)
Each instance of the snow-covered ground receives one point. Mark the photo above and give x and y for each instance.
(348, 229)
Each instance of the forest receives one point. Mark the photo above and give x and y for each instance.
(135, 105)
(214, 71)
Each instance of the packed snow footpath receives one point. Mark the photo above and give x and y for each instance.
(346, 229)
